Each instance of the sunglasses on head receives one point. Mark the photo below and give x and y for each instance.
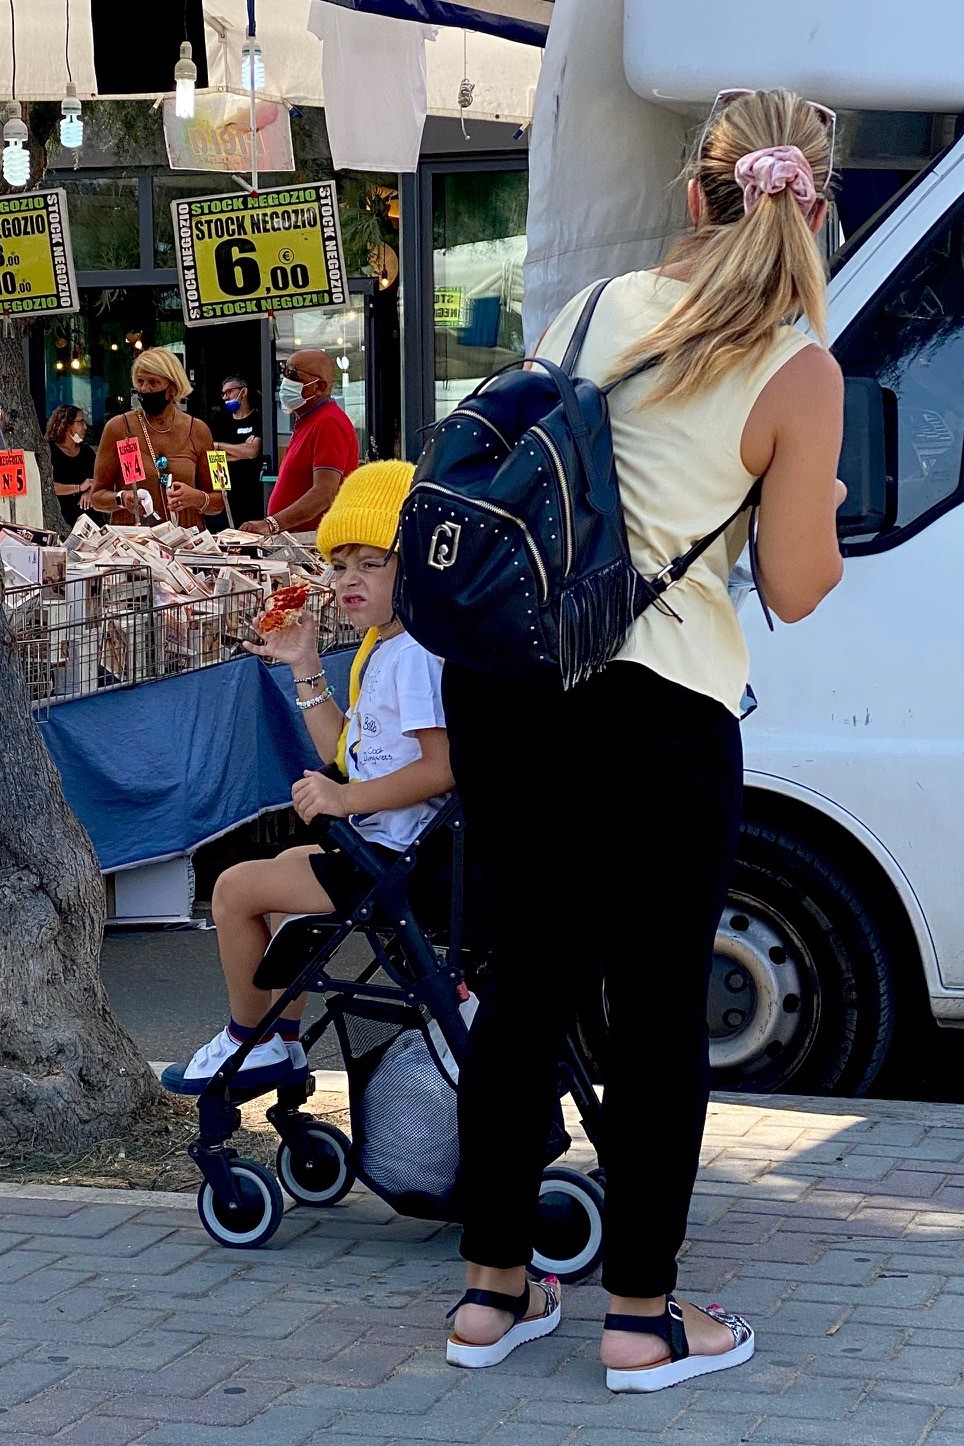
(725, 97)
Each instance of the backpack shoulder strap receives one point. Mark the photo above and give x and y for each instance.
(681, 565)
(582, 326)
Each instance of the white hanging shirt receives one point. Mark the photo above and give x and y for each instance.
(373, 73)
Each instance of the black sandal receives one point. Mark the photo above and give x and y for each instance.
(681, 1366)
(524, 1328)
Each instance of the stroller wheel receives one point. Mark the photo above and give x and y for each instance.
(262, 1208)
(569, 1234)
(314, 1168)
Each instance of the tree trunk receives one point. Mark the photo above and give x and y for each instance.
(69, 1074)
(18, 419)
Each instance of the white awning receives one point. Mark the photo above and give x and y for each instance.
(33, 45)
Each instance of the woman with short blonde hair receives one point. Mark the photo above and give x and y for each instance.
(173, 448)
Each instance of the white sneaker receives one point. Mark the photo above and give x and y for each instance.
(268, 1064)
(296, 1053)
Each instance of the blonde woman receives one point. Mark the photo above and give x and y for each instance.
(648, 751)
(173, 448)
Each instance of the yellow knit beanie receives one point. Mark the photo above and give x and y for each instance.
(365, 510)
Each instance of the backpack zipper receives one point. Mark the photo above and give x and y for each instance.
(565, 501)
(464, 411)
(499, 512)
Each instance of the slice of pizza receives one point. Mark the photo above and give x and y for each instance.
(283, 609)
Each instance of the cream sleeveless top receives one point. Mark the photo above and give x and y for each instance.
(680, 475)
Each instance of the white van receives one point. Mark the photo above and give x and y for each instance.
(849, 893)
(847, 908)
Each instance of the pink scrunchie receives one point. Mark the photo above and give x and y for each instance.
(770, 171)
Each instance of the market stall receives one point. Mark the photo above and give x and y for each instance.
(166, 732)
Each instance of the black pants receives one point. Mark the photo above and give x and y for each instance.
(604, 821)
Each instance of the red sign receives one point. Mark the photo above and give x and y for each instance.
(131, 461)
(13, 474)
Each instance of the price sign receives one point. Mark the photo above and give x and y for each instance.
(220, 474)
(131, 461)
(36, 263)
(13, 474)
(240, 256)
(449, 309)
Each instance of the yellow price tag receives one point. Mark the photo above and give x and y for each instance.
(36, 264)
(240, 256)
(220, 473)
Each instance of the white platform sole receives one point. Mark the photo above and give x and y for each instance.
(460, 1353)
(656, 1378)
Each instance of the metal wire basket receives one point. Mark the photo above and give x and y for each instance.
(98, 633)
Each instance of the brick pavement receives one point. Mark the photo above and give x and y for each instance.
(837, 1226)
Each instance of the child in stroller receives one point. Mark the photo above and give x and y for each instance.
(396, 757)
(393, 870)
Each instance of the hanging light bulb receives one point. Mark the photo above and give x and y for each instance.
(71, 124)
(252, 64)
(16, 158)
(185, 77)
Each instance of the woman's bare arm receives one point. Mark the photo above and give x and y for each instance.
(793, 438)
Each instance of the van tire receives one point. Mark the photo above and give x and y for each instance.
(828, 1022)
(835, 940)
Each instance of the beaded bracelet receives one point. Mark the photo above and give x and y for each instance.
(315, 678)
(324, 697)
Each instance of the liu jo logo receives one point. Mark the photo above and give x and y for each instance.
(444, 546)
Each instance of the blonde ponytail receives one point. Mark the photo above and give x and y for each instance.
(749, 272)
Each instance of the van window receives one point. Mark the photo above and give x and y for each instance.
(911, 338)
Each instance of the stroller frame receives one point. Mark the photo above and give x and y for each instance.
(240, 1202)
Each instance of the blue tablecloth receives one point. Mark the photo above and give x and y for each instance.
(156, 770)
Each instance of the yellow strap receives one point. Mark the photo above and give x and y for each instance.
(354, 688)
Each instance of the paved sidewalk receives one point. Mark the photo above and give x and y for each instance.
(837, 1226)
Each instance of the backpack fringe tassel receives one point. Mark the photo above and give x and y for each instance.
(595, 614)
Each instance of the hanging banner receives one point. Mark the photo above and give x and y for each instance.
(218, 136)
(36, 263)
(241, 255)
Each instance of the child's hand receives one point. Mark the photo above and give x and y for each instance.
(315, 794)
(295, 645)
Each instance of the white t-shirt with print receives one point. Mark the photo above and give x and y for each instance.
(401, 692)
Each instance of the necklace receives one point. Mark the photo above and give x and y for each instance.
(395, 627)
(156, 428)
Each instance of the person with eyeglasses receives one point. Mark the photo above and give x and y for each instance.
(241, 425)
(735, 392)
(72, 459)
(323, 447)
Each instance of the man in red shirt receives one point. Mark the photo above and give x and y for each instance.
(323, 447)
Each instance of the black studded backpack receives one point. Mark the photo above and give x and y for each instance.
(513, 557)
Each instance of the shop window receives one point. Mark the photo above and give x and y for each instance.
(479, 246)
(104, 223)
(88, 357)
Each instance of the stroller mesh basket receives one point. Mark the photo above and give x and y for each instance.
(402, 1103)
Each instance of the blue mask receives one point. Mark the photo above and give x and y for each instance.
(232, 404)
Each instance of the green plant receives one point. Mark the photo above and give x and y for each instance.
(364, 204)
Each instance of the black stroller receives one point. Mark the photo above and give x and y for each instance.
(401, 1026)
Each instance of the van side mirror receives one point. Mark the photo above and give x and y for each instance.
(868, 458)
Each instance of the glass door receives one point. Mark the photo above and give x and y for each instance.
(478, 251)
(345, 333)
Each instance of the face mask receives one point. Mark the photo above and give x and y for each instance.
(74, 438)
(152, 402)
(232, 405)
(291, 394)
